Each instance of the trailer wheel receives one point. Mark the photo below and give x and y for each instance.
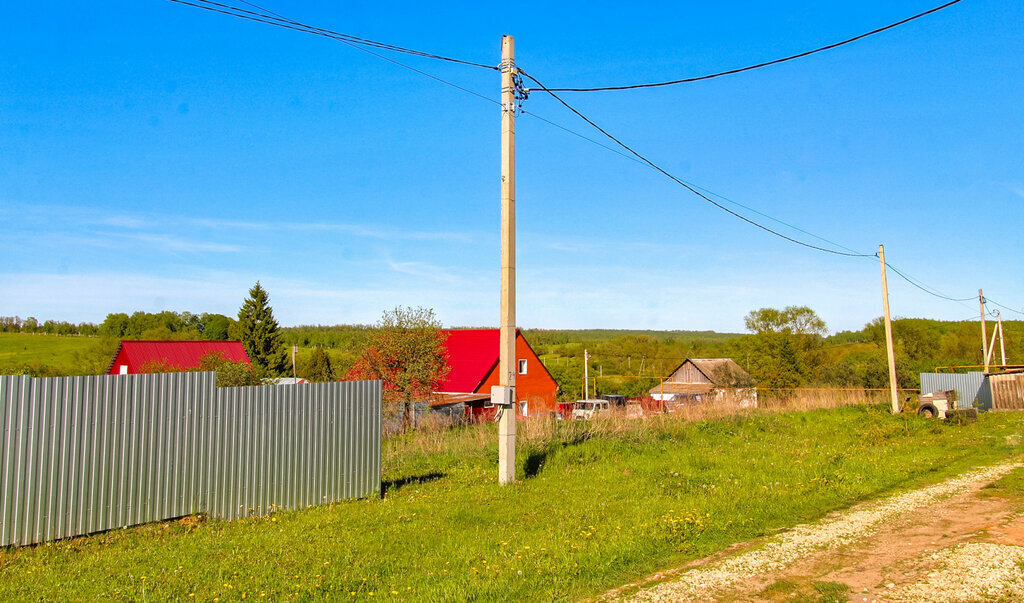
(928, 410)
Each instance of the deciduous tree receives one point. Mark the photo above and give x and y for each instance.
(406, 351)
(785, 345)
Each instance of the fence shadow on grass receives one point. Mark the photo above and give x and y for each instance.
(397, 484)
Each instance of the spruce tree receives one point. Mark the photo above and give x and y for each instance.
(319, 369)
(260, 334)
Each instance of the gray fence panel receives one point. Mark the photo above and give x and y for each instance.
(969, 387)
(87, 454)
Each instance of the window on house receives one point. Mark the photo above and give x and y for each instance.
(522, 366)
(122, 370)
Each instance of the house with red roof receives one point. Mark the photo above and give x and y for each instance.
(472, 356)
(132, 357)
(473, 363)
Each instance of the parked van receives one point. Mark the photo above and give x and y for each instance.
(586, 409)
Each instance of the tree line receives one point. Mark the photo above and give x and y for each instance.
(785, 348)
(16, 324)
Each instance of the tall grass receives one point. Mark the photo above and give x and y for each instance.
(436, 435)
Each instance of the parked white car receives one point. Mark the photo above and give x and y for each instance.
(586, 409)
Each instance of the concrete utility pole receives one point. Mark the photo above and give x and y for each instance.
(984, 333)
(507, 355)
(888, 335)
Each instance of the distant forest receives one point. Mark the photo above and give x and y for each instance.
(626, 361)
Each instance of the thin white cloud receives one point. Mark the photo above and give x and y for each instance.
(173, 243)
(122, 222)
(160, 242)
(80, 215)
(353, 229)
(427, 271)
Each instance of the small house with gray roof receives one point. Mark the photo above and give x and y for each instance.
(699, 380)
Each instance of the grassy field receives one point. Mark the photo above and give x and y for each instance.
(50, 355)
(597, 505)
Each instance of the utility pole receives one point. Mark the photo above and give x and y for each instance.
(1002, 343)
(888, 335)
(507, 332)
(586, 373)
(295, 348)
(984, 333)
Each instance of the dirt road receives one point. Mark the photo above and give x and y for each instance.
(946, 542)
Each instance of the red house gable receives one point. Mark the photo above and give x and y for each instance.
(472, 353)
(473, 361)
(182, 355)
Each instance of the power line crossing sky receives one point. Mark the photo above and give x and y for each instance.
(156, 156)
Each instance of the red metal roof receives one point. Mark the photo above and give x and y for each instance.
(471, 355)
(178, 354)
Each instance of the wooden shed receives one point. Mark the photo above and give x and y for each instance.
(699, 380)
(1007, 390)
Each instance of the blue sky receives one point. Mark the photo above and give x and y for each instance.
(154, 156)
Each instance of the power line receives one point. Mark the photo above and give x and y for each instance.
(344, 39)
(696, 186)
(989, 299)
(758, 65)
(925, 288)
(271, 18)
(584, 137)
(684, 184)
(695, 189)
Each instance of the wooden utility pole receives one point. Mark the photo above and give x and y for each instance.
(888, 335)
(1002, 343)
(984, 333)
(507, 337)
(586, 374)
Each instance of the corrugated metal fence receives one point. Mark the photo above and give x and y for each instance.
(86, 454)
(969, 387)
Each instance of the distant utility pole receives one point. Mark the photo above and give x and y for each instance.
(990, 351)
(888, 335)
(1002, 343)
(586, 373)
(507, 355)
(984, 333)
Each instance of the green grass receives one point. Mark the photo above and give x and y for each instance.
(52, 355)
(597, 505)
